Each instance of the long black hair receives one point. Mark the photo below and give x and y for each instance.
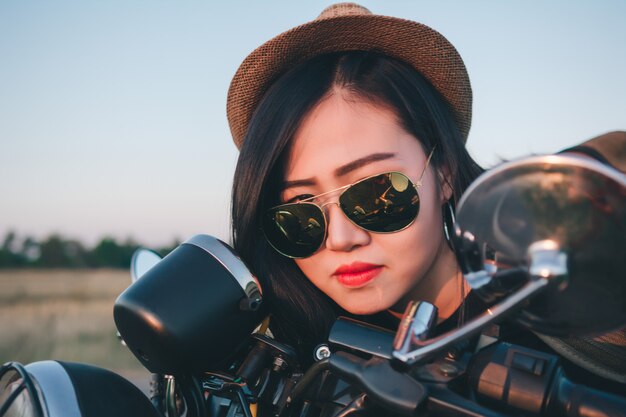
(302, 314)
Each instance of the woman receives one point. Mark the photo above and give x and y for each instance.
(326, 105)
(362, 120)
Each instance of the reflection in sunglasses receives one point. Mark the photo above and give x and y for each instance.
(399, 182)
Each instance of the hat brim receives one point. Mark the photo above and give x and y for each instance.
(423, 48)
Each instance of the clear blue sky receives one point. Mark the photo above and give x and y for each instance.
(112, 113)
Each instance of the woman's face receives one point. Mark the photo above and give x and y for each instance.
(339, 142)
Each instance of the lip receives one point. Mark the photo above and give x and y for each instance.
(357, 274)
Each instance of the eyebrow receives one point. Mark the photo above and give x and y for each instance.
(361, 162)
(344, 169)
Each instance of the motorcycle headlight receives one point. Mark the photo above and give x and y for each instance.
(191, 310)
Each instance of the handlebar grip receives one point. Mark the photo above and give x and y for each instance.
(574, 400)
(533, 382)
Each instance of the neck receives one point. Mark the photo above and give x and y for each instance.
(451, 295)
(443, 285)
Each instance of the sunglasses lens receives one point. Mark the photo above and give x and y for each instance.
(384, 203)
(295, 230)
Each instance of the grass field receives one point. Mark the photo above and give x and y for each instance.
(65, 315)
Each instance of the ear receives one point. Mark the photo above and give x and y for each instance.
(445, 183)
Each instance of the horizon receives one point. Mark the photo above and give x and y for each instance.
(114, 120)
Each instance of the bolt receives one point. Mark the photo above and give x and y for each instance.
(279, 364)
(321, 352)
(453, 354)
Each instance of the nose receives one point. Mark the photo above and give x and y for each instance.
(343, 235)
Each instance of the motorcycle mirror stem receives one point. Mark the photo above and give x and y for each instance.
(567, 214)
(412, 345)
(549, 224)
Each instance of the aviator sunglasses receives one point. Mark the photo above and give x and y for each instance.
(382, 203)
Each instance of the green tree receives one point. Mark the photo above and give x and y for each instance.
(9, 256)
(109, 253)
(53, 253)
(30, 250)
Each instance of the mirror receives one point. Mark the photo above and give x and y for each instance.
(561, 217)
(142, 261)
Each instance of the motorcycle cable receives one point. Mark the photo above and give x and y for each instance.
(219, 383)
(188, 392)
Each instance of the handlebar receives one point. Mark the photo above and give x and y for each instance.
(574, 400)
(533, 381)
(505, 379)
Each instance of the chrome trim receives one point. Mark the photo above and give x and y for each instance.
(425, 349)
(419, 318)
(547, 260)
(478, 279)
(557, 160)
(424, 320)
(224, 255)
(57, 391)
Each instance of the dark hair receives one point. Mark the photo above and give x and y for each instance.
(302, 314)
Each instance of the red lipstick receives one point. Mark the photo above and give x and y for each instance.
(357, 274)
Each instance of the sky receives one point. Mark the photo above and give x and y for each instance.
(113, 113)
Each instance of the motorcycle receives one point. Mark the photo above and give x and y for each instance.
(540, 240)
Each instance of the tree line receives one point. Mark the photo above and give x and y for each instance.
(57, 251)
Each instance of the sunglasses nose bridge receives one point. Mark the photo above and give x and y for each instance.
(328, 203)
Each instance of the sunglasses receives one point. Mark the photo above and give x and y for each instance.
(383, 203)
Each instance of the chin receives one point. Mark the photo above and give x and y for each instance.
(362, 310)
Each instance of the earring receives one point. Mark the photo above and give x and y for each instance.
(448, 223)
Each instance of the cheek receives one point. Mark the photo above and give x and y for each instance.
(311, 267)
(430, 221)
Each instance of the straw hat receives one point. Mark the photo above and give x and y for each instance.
(350, 27)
